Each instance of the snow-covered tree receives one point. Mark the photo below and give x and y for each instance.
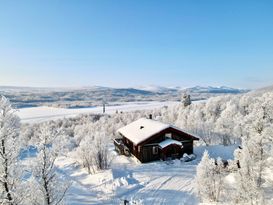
(94, 152)
(259, 140)
(209, 178)
(247, 190)
(186, 100)
(47, 185)
(10, 146)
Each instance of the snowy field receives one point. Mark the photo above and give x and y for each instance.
(155, 183)
(40, 114)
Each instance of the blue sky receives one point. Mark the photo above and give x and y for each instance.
(133, 42)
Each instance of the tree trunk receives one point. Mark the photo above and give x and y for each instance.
(45, 180)
(6, 186)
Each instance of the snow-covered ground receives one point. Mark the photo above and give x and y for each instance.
(40, 114)
(152, 183)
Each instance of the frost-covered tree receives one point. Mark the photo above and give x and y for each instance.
(94, 152)
(209, 178)
(47, 185)
(253, 157)
(10, 146)
(259, 140)
(247, 189)
(186, 100)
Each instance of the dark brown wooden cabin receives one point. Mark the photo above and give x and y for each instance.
(150, 140)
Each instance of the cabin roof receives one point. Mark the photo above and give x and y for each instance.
(168, 142)
(142, 129)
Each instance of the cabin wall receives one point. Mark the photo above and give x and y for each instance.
(147, 154)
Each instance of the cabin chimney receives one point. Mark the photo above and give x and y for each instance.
(150, 116)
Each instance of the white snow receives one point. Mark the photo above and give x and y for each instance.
(142, 129)
(168, 142)
(157, 183)
(43, 113)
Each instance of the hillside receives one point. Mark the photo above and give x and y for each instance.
(97, 95)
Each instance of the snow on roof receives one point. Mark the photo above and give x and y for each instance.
(168, 142)
(142, 129)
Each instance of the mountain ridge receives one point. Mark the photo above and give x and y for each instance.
(96, 95)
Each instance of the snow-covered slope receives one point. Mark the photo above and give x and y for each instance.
(264, 89)
(44, 113)
(157, 183)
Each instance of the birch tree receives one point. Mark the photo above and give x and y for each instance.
(10, 145)
(48, 187)
(209, 178)
(94, 152)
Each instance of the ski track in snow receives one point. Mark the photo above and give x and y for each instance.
(174, 188)
(154, 183)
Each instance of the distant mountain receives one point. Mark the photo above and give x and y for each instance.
(196, 89)
(154, 88)
(220, 90)
(96, 95)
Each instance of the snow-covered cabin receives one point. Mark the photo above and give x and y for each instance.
(150, 140)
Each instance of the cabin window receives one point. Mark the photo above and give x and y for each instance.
(155, 150)
(168, 135)
(138, 148)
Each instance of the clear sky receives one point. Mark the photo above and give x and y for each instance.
(130, 43)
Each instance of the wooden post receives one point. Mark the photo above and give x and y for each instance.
(103, 107)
